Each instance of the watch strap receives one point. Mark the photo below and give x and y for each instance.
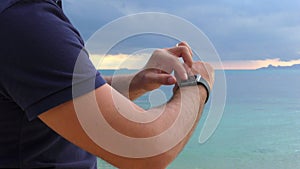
(196, 80)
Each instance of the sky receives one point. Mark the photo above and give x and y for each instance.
(247, 34)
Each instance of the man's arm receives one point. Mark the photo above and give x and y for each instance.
(64, 121)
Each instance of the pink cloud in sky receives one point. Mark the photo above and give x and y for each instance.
(138, 61)
(253, 64)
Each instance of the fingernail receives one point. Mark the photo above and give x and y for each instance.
(171, 80)
(185, 76)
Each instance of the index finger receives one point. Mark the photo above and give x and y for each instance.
(182, 51)
(183, 43)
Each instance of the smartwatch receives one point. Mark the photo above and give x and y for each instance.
(196, 80)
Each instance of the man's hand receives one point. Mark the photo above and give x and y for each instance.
(162, 62)
(205, 70)
(202, 68)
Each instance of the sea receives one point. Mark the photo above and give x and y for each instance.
(259, 129)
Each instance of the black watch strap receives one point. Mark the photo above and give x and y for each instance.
(196, 80)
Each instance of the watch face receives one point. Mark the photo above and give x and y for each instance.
(198, 78)
(191, 81)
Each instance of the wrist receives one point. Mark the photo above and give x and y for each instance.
(196, 80)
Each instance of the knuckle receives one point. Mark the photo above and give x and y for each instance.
(208, 66)
(183, 43)
(158, 51)
(185, 49)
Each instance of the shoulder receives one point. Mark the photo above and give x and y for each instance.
(6, 4)
(35, 13)
(27, 12)
(38, 25)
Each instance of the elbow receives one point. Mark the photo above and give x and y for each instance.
(156, 162)
(160, 161)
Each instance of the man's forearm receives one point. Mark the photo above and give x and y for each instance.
(185, 106)
(190, 101)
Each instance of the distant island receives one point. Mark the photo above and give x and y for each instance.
(271, 67)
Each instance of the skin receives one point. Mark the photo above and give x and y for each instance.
(155, 73)
(64, 121)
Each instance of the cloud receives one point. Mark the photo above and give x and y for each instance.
(240, 30)
(277, 62)
(248, 29)
(253, 64)
(139, 59)
(119, 61)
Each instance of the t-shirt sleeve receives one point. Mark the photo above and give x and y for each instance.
(43, 60)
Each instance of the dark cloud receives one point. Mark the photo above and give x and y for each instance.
(240, 30)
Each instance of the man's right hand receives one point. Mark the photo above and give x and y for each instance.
(202, 68)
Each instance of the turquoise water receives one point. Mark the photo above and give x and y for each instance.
(260, 127)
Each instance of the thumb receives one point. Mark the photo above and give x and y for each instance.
(163, 79)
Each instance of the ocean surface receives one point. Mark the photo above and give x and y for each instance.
(260, 127)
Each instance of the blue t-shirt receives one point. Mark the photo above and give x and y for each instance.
(38, 51)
